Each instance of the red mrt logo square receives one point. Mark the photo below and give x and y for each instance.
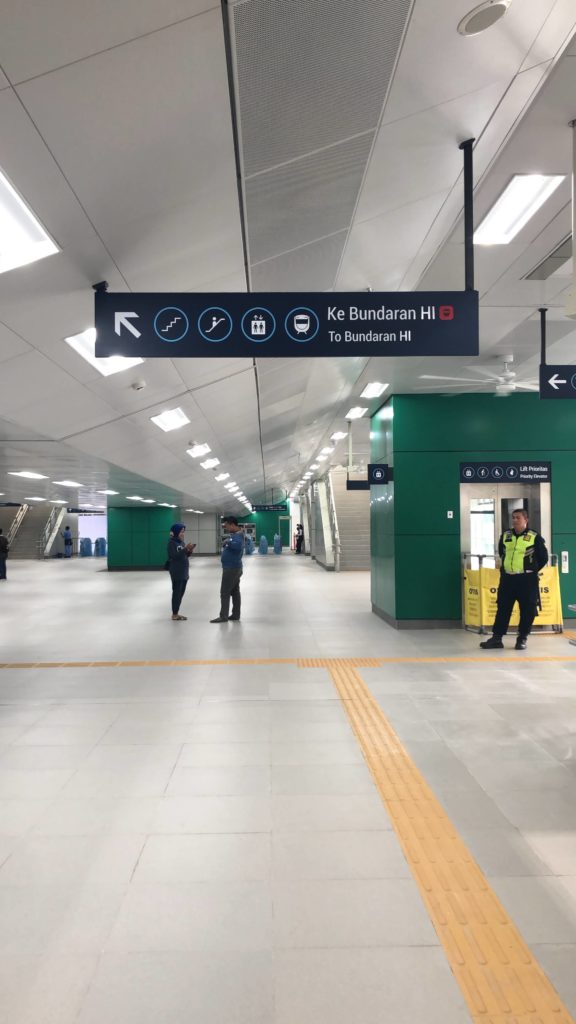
(446, 312)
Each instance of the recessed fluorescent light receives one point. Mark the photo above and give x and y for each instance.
(67, 483)
(306, 475)
(338, 436)
(133, 497)
(210, 463)
(315, 465)
(150, 501)
(106, 492)
(165, 504)
(326, 451)
(198, 449)
(234, 490)
(520, 200)
(34, 499)
(222, 476)
(24, 240)
(28, 474)
(321, 458)
(230, 485)
(355, 413)
(195, 510)
(374, 390)
(170, 419)
(58, 501)
(84, 345)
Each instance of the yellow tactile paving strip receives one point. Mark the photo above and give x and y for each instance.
(501, 981)
(301, 662)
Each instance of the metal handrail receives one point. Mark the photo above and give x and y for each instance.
(49, 532)
(333, 523)
(16, 524)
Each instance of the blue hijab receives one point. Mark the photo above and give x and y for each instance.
(176, 527)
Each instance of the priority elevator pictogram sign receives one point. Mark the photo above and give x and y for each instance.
(265, 325)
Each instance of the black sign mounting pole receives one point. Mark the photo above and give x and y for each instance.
(467, 147)
(543, 310)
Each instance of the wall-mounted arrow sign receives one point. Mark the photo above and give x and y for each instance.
(557, 381)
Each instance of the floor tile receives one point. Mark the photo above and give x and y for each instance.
(198, 916)
(349, 913)
(324, 855)
(311, 779)
(49, 989)
(366, 986)
(209, 858)
(212, 755)
(328, 813)
(557, 849)
(247, 780)
(200, 815)
(72, 861)
(558, 963)
(539, 907)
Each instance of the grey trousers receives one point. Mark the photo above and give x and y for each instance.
(230, 588)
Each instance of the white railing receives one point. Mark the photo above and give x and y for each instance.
(16, 524)
(50, 530)
(333, 523)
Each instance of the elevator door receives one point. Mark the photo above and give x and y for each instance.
(486, 511)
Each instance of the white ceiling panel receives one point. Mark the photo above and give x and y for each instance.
(63, 414)
(36, 38)
(419, 156)
(310, 268)
(118, 164)
(437, 64)
(28, 378)
(161, 379)
(380, 250)
(11, 344)
(559, 25)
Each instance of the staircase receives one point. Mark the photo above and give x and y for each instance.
(30, 533)
(353, 517)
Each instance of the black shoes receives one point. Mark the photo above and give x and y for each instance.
(521, 644)
(233, 618)
(219, 619)
(493, 642)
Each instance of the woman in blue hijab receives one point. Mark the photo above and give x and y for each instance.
(178, 554)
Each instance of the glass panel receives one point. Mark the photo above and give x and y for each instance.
(482, 527)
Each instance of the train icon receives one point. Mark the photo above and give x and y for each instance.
(301, 323)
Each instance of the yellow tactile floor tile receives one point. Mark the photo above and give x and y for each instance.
(500, 979)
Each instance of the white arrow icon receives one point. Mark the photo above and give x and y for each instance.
(122, 320)
(555, 381)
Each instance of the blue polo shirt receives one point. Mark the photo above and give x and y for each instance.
(232, 551)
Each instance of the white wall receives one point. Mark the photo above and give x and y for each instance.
(93, 527)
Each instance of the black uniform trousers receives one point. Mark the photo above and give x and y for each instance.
(230, 588)
(521, 587)
(178, 589)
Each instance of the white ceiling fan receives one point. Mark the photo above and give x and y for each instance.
(505, 383)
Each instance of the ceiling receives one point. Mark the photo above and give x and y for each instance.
(266, 145)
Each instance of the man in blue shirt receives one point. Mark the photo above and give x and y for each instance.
(231, 559)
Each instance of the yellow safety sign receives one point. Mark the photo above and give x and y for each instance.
(481, 591)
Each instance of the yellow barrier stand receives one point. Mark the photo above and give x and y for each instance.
(480, 599)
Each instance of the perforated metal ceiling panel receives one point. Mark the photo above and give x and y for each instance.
(310, 268)
(310, 82)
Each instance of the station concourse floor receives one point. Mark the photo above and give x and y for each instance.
(201, 839)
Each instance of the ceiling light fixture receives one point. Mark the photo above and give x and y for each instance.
(67, 483)
(338, 436)
(197, 450)
(326, 451)
(28, 474)
(356, 413)
(321, 458)
(84, 344)
(520, 200)
(133, 497)
(374, 390)
(195, 510)
(170, 419)
(230, 485)
(210, 463)
(483, 16)
(315, 465)
(58, 501)
(106, 492)
(24, 240)
(35, 499)
(150, 501)
(222, 476)
(165, 504)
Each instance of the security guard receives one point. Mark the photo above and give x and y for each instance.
(523, 553)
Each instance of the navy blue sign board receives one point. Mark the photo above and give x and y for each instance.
(357, 485)
(270, 508)
(378, 473)
(505, 472)
(264, 325)
(558, 382)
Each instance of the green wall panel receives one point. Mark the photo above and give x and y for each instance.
(425, 438)
(267, 523)
(137, 538)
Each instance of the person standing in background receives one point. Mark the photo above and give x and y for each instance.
(231, 559)
(299, 538)
(67, 537)
(3, 555)
(178, 554)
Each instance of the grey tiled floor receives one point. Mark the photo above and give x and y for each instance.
(206, 843)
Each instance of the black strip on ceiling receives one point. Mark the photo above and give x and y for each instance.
(235, 133)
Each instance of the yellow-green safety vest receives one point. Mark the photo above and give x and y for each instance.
(516, 547)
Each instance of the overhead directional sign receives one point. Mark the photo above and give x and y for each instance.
(558, 382)
(267, 325)
(505, 472)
